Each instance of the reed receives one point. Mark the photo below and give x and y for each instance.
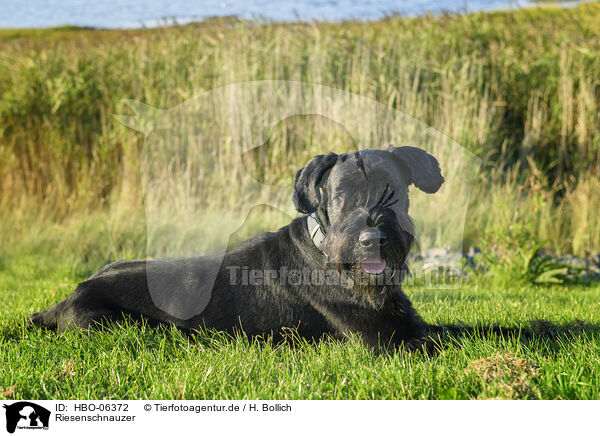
(519, 89)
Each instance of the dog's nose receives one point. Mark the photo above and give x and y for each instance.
(372, 238)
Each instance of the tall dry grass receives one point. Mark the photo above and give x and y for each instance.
(519, 89)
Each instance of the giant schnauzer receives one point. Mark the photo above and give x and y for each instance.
(332, 271)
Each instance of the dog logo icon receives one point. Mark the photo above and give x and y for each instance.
(26, 415)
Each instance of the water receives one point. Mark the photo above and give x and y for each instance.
(140, 13)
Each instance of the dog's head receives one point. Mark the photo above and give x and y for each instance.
(360, 200)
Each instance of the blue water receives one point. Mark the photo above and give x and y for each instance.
(140, 13)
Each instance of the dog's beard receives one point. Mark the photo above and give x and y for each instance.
(374, 275)
(377, 288)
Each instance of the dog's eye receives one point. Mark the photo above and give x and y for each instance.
(386, 200)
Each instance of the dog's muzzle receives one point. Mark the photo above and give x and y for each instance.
(379, 252)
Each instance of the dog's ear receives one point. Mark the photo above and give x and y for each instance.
(424, 169)
(309, 179)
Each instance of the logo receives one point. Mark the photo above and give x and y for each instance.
(26, 415)
(246, 139)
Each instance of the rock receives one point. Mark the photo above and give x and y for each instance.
(574, 261)
(581, 269)
(594, 261)
(434, 253)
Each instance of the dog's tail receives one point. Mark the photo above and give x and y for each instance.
(48, 318)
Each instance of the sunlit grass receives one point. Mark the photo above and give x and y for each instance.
(140, 362)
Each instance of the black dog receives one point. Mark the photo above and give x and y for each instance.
(334, 270)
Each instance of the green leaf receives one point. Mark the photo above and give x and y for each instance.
(551, 276)
(532, 254)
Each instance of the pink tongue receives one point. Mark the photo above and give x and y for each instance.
(373, 266)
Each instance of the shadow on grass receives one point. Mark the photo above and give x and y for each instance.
(539, 333)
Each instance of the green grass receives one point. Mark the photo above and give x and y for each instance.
(138, 362)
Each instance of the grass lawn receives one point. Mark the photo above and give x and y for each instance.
(136, 362)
